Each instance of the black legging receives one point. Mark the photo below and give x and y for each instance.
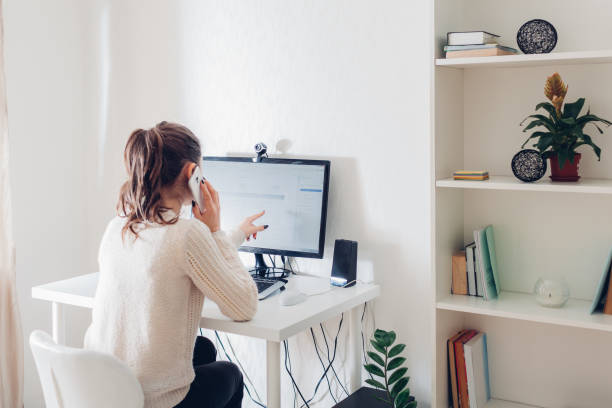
(217, 384)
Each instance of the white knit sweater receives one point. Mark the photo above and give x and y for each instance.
(150, 294)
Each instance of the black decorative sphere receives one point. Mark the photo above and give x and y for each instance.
(528, 165)
(536, 37)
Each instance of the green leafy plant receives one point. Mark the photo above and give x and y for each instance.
(388, 366)
(563, 129)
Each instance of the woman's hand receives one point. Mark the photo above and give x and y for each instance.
(211, 214)
(249, 229)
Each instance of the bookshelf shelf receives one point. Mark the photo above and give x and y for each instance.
(531, 60)
(522, 306)
(583, 186)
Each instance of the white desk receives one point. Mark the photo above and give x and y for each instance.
(273, 322)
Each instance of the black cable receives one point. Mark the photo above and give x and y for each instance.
(293, 385)
(363, 346)
(230, 360)
(291, 375)
(272, 260)
(314, 341)
(330, 363)
(332, 367)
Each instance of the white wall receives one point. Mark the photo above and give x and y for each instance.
(342, 80)
(45, 54)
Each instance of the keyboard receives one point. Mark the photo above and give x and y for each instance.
(265, 286)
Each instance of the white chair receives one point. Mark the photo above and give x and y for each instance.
(77, 378)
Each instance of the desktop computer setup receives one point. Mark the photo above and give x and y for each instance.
(293, 192)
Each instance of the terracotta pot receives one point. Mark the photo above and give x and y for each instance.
(569, 172)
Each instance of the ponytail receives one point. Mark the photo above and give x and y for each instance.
(153, 159)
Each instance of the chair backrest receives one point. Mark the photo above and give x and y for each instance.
(77, 378)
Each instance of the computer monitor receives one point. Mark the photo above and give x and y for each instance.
(293, 192)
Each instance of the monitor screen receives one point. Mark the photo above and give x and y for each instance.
(292, 192)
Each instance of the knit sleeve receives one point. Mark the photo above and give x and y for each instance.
(215, 268)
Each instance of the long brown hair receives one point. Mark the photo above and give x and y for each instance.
(153, 159)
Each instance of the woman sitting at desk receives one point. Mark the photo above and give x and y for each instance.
(156, 269)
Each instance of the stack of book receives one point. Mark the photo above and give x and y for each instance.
(471, 175)
(602, 302)
(474, 270)
(468, 366)
(474, 44)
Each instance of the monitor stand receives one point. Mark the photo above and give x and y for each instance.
(262, 269)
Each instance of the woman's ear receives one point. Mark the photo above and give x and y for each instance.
(188, 169)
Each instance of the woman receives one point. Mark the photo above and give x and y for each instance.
(156, 269)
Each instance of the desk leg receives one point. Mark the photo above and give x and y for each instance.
(273, 382)
(57, 319)
(355, 348)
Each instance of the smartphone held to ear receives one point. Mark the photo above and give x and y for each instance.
(194, 185)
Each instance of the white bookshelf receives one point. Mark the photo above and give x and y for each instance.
(510, 183)
(538, 357)
(522, 60)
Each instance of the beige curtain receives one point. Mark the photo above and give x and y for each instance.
(11, 339)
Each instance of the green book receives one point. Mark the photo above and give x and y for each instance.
(487, 259)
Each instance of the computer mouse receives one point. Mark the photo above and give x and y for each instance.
(292, 297)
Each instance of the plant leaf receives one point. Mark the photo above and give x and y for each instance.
(402, 397)
(396, 362)
(397, 374)
(399, 386)
(545, 142)
(390, 338)
(395, 350)
(374, 369)
(376, 357)
(411, 404)
(572, 110)
(375, 383)
(588, 141)
(546, 120)
(568, 121)
(377, 346)
(592, 118)
(548, 107)
(597, 127)
(547, 125)
(381, 337)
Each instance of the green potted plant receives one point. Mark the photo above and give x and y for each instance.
(388, 367)
(561, 131)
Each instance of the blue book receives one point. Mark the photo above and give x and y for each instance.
(602, 289)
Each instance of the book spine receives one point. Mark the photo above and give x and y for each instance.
(459, 275)
(469, 368)
(464, 401)
(480, 264)
(471, 284)
(452, 371)
(485, 357)
(477, 277)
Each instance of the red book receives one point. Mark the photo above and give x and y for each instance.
(462, 387)
(452, 368)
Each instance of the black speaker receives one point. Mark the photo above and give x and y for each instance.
(344, 268)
